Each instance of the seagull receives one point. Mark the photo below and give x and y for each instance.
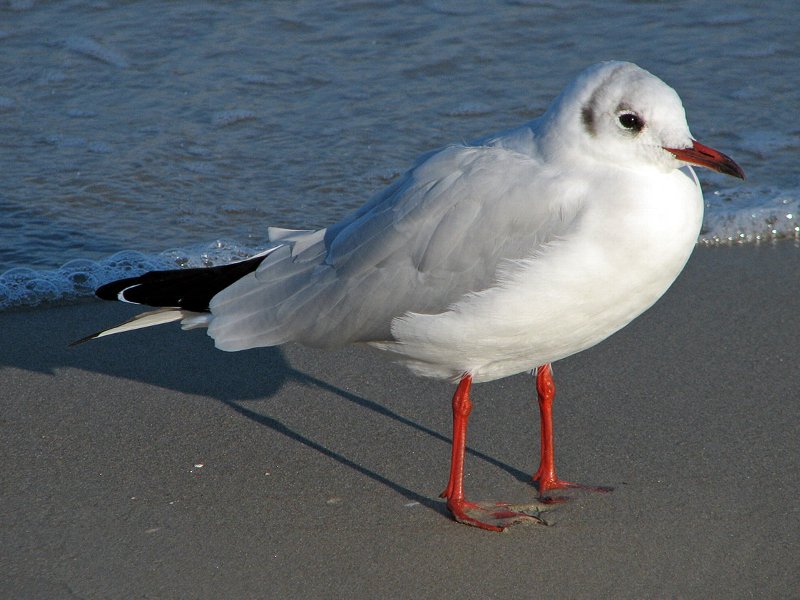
(482, 261)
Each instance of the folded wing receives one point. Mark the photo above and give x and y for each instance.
(441, 231)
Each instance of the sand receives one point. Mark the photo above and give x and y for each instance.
(150, 465)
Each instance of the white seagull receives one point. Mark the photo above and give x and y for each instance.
(481, 261)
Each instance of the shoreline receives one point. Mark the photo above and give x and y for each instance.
(220, 252)
(149, 464)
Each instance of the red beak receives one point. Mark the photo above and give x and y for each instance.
(698, 154)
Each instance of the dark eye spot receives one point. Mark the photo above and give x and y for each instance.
(587, 117)
(631, 122)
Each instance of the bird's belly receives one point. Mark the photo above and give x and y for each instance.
(551, 332)
(517, 331)
(565, 300)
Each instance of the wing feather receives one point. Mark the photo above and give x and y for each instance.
(446, 228)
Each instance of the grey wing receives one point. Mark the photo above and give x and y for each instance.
(443, 230)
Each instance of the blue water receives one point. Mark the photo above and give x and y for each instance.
(148, 134)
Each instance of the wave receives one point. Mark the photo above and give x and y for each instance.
(750, 216)
(79, 278)
(736, 216)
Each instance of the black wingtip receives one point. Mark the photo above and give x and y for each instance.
(189, 289)
(111, 291)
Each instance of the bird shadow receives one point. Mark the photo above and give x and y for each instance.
(187, 363)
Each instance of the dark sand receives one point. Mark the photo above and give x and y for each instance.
(321, 470)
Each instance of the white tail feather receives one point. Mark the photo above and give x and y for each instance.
(146, 319)
(194, 320)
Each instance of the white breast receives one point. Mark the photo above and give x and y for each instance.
(628, 246)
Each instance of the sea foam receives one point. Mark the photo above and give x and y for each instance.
(79, 278)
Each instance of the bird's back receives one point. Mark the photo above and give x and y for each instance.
(443, 230)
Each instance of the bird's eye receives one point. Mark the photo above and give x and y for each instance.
(631, 122)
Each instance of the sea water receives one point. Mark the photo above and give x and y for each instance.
(144, 134)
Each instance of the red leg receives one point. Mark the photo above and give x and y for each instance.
(545, 475)
(491, 516)
(462, 407)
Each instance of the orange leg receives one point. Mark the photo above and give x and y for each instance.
(545, 475)
(490, 516)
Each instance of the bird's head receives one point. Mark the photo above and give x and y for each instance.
(618, 112)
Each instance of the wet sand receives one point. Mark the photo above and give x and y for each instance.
(151, 465)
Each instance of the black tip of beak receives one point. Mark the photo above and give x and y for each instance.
(698, 154)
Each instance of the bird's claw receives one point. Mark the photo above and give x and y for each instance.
(546, 485)
(495, 516)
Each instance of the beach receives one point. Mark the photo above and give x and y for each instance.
(150, 465)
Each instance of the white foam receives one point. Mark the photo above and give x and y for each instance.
(751, 215)
(79, 278)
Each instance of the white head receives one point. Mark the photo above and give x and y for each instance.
(618, 112)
